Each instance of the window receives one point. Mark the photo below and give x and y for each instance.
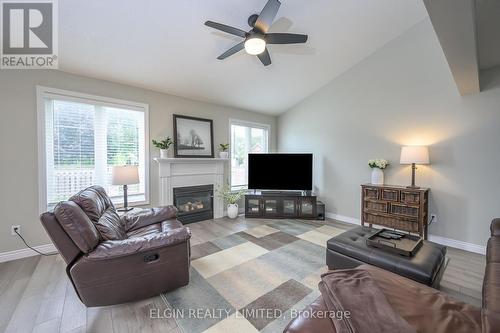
(246, 138)
(82, 137)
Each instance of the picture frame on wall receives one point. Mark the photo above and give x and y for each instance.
(194, 137)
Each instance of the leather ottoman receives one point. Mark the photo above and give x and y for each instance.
(349, 250)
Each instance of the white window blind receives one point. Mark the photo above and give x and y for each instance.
(84, 139)
(245, 138)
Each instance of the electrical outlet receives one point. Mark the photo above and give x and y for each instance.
(434, 218)
(14, 228)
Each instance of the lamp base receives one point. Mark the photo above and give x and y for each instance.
(413, 186)
(125, 209)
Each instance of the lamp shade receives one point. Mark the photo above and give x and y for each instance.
(125, 175)
(414, 154)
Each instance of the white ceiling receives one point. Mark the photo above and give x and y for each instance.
(164, 46)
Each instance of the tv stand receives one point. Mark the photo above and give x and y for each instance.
(286, 193)
(280, 205)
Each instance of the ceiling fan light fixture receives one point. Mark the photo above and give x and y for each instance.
(255, 45)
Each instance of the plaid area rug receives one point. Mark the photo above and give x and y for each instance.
(253, 280)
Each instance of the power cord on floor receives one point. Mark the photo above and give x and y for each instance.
(43, 254)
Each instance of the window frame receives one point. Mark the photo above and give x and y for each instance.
(43, 93)
(251, 124)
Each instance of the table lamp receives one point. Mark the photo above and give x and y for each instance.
(414, 155)
(125, 175)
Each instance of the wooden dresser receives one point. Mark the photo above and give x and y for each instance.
(396, 207)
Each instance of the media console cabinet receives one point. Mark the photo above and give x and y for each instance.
(280, 206)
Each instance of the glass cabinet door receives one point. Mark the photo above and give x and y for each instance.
(289, 207)
(270, 206)
(253, 206)
(306, 207)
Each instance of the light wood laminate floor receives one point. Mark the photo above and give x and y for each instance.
(36, 295)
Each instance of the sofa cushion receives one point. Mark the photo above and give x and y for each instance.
(303, 323)
(491, 287)
(141, 218)
(110, 226)
(171, 225)
(495, 227)
(424, 308)
(493, 250)
(77, 225)
(94, 201)
(144, 231)
(164, 226)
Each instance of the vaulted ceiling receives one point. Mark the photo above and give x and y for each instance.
(164, 46)
(488, 33)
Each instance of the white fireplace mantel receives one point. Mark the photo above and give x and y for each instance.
(180, 172)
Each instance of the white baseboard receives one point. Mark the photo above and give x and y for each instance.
(343, 218)
(433, 238)
(458, 244)
(26, 252)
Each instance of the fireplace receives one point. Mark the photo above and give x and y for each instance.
(175, 173)
(195, 203)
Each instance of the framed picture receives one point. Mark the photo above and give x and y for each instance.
(194, 137)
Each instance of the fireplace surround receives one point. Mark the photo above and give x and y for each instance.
(175, 173)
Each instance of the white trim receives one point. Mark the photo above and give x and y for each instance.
(433, 238)
(27, 252)
(458, 244)
(81, 97)
(43, 92)
(189, 159)
(41, 158)
(248, 124)
(239, 122)
(343, 218)
(179, 172)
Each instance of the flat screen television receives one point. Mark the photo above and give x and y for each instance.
(280, 171)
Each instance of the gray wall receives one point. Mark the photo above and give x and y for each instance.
(401, 95)
(18, 138)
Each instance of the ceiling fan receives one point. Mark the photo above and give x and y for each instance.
(257, 38)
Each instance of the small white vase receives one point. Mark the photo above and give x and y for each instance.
(232, 211)
(377, 176)
(163, 153)
(223, 154)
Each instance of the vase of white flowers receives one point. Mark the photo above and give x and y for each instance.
(378, 165)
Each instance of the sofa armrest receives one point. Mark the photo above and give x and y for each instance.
(112, 249)
(495, 227)
(135, 220)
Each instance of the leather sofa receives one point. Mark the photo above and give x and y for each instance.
(114, 259)
(424, 308)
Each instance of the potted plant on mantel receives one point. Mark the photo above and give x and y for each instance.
(378, 165)
(224, 150)
(163, 145)
(231, 197)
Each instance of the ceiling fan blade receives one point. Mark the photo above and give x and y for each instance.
(231, 51)
(267, 15)
(265, 58)
(226, 28)
(279, 38)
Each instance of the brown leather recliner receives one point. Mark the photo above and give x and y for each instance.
(112, 259)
